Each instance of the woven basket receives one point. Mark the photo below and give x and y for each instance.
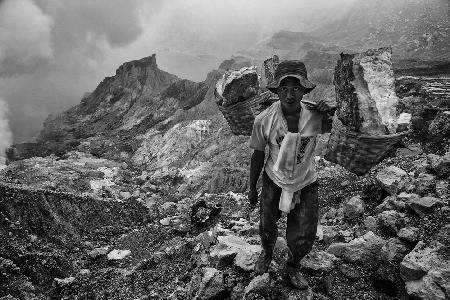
(355, 151)
(240, 116)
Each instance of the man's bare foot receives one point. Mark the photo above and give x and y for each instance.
(296, 278)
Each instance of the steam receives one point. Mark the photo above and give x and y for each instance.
(5, 132)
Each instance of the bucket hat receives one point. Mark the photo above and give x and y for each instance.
(291, 68)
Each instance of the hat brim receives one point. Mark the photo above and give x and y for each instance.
(308, 85)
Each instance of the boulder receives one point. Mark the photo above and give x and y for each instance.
(353, 208)
(393, 251)
(423, 205)
(439, 164)
(237, 86)
(207, 284)
(259, 285)
(440, 126)
(391, 203)
(244, 254)
(118, 254)
(391, 179)
(391, 221)
(409, 234)
(330, 233)
(425, 184)
(318, 262)
(370, 223)
(433, 286)
(443, 190)
(365, 92)
(363, 250)
(422, 259)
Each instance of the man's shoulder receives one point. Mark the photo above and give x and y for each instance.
(266, 114)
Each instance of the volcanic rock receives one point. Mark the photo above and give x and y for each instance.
(237, 86)
(353, 208)
(365, 92)
(391, 179)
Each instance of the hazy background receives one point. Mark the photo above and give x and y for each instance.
(52, 51)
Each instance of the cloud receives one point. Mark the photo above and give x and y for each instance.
(25, 39)
(58, 50)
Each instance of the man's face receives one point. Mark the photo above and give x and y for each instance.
(290, 93)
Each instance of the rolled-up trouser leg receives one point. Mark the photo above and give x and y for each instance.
(302, 224)
(269, 213)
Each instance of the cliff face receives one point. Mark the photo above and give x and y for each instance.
(137, 97)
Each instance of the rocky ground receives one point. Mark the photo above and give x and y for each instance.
(381, 236)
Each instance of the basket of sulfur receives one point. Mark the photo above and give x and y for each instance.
(365, 125)
(240, 97)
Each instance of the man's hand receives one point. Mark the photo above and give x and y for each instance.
(322, 106)
(253, 197)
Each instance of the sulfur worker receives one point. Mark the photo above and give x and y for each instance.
(289, 127)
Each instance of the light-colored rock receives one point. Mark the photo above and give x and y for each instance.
(98, 252)
(125, 195)
(236, 86)
(407, 197)
(391, 220)
(391, 179)
(353, 208)
(433, 286)
(422, 259)
(259, 285)
(439, 164)
(118, 254)
(409, 234)
(425, 184)
(424, 205)
(364, 250)
(211, 284)
(64, 281)
(319, 261)
(393, 251)
(246, 258)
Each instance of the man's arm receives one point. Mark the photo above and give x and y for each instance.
(256, 166)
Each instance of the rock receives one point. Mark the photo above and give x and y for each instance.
(391, 221)
(165, 221)
(211, 284)
(391, 179)
(288, 293)
(353, 208)
(423, 205)
(318, 262)
(405, 197)
(118, 254)
(409, 234)
(370, 223)
(365, 92)
(350, 272)
(443, 190)
(364, 250)
(439, 164)
(259, 285)
(221, 256)
(64, 281)
(246, 258)
(433, 286)
(423, 259)
(412, 150)
(245, 255)
(391, 203)
(237, 86)
(202, 213)
(440, 126)
(330, 233)
(425, 184)
(98, 252)
(393, 251)
(125, 195)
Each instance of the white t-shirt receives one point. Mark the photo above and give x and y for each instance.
(270, 127)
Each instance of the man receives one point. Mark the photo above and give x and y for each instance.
(289, 128)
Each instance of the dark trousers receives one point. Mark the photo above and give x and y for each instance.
(301, 220)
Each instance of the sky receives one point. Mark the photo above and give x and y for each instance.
(52, 52)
